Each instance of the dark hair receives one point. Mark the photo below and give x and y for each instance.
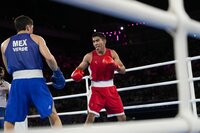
(21, 22)
(99, 34)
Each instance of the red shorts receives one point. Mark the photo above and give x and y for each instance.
(108, 98)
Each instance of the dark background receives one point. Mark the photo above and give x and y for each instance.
(66, 23)
(69, 26)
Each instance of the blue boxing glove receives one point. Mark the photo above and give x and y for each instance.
(58, 79)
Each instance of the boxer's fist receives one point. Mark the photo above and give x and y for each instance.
(109, 61)
(77, 75)
(58, 79)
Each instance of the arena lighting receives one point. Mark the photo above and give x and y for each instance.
(126, 25)
(117, 38)
(114, 34)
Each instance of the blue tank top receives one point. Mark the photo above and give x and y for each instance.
(22, 53)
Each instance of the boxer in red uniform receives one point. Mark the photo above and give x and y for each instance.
(102, 62)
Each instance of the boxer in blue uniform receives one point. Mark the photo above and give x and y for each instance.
(22, 56)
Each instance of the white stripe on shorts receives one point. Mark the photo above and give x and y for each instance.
(25, 74)
(102, 83)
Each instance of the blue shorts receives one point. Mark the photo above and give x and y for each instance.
(25, 92)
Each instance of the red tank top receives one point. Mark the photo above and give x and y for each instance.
(99, 71)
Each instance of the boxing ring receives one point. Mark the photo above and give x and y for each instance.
(179, 25)
(191, 80)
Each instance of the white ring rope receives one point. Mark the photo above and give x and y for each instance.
(69, 96)
(131, 88)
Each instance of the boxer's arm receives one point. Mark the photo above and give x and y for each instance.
(44, 50)
(121, 69)
(78, 73)
(57, 78)
(85, 62)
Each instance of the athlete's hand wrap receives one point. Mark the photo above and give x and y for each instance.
(77, 75)
(58, 79)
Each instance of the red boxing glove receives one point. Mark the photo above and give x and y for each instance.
(77, 75)
(109, 61)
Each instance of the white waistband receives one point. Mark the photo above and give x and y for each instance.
(24, 74)
(102, 83)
